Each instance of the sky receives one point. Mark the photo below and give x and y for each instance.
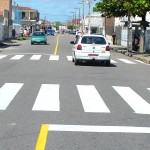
(56, 10)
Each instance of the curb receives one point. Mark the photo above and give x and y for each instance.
(142, 57)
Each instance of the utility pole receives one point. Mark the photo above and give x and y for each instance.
(79, 15)
(83, 22)
(89, 17)
(74, 15)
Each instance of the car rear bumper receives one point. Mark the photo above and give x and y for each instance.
(93, 56)
(38, 41)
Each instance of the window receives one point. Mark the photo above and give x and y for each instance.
(93, 40)
(38, 34)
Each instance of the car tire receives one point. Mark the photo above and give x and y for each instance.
(32, 43)
(72, 59)
(108, 63)
(76, 62)
(45, 43)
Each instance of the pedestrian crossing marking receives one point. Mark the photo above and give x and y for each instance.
(48, 98)
(35, 57)
(113, 62)
(69, 58)
(137, 103)
(2, 56)
(54, 57)
(91, 100)
(17, 57)
(7, 92)
(127, 61)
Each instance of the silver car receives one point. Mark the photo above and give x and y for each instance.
(91, 48)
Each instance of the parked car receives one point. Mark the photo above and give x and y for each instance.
(50, 32)
(38, 37)
(91, 47)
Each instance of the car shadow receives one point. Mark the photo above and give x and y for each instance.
(9, 45)
(95, 64)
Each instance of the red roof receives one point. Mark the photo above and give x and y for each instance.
(24, 8)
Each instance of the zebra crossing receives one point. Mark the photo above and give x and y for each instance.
(51, 57)
(49, 99)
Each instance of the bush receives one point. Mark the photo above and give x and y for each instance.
(24, 38)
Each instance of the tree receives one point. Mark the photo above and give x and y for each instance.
(70, 26)
(57, 24)
(120, 8)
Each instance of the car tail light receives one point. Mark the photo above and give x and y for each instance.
(107, 48)
(79, 47)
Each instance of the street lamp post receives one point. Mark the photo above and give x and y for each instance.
(79, 15)
(83, 23)
(74, 18)
(89, 17)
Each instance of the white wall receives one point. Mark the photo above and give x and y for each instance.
(1, 32)
(124, 37)
(17, 27)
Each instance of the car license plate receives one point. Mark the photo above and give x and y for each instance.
(93, 55)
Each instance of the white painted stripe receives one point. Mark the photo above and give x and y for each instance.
(48, 98)
(137, 103)
(148, 89)
(141, 62)
(91, 100)
(7, 92)
(54, 57)
(35, 57)
(127, 61)
(113, 62)
(17, 57)
(69, 58)
(2, 56)
(97, 129)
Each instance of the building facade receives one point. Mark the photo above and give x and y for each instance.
(29, 16)
(6, 10)
(16, 15)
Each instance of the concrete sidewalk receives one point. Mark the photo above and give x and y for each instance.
(144, 57)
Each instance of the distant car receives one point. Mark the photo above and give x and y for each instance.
(50, 32)
(73, 32)
(38, 37)
(91, 47)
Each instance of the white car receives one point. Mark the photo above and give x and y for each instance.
(91, 47)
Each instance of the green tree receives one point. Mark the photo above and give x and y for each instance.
(57, 24)
(119, 8)
(70, 26)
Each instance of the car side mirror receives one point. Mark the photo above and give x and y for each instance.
(72, 42)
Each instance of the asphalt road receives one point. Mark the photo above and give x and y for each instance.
(46, 102)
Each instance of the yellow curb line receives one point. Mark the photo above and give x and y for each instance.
(41, 142)
(56, 48)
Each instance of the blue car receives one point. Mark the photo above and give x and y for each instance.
(50, 32)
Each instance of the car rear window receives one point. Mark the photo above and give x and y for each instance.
(38, 34)
(93, 39)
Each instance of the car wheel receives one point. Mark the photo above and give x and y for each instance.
(45, 43)
(108, 63)
(76, 62)
(32, 43)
